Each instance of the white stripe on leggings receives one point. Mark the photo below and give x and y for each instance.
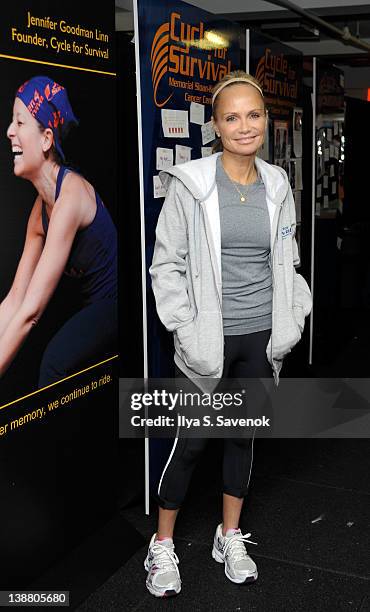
(168, 460)
(250, 469)
(173, 450)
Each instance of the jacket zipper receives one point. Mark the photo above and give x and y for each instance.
(218, 298)
(272, 275)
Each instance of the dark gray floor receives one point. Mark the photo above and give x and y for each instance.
(309, 511)
(308, 508)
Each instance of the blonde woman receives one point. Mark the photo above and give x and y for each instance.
(225, 284)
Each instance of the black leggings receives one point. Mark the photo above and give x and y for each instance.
(87, 337)
(245, 357)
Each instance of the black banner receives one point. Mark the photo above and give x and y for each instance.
(49, 433)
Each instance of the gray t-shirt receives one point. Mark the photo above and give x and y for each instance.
(245, 251)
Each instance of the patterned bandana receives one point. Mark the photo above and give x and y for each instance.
(48, 103)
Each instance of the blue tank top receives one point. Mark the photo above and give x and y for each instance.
(93, 256)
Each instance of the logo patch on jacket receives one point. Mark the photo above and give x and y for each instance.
(286, 231)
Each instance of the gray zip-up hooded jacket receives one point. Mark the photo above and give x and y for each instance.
(186, 268)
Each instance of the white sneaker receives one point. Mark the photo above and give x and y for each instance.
(163, 578)
(230, 549)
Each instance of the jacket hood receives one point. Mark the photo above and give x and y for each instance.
(199, 177)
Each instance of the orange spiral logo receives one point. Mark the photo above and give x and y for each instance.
(159, 59)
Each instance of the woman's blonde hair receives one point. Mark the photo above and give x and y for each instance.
(234, 77)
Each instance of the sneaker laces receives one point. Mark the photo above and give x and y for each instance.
(165, 558)
(234, 545)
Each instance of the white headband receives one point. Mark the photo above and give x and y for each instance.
(236, 80)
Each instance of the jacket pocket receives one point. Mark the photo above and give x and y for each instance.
(283, 343)
(185, 335)
(301, 297)
(199, 343)
(299, 316)
(288, 322)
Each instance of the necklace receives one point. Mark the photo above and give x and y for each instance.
(243, 196)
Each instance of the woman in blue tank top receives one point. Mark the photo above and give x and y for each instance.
(69, 231)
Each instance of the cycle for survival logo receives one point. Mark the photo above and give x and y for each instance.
(185, 56)
(278, 77)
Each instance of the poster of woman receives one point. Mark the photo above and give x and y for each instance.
(58, 264)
